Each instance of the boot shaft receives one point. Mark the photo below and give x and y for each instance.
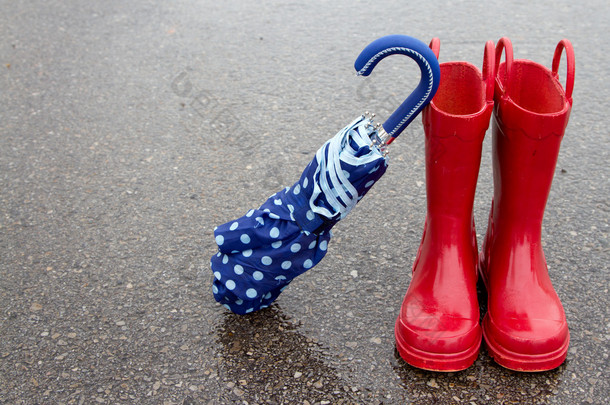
(530, 116)
(455, 123)
(523, 170)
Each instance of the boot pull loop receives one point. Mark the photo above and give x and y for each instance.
(435, 45)
(423, 93)
(489, 70)
(567, 45)
(504, 46)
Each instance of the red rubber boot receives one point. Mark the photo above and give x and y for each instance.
(525, 327)
(438, 325)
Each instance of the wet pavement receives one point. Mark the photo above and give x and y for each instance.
(128, 130)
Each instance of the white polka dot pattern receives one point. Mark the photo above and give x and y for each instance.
(263, 251)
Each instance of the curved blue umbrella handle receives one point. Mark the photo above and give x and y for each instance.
(430, 76)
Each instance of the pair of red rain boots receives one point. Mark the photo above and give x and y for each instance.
(525, 326)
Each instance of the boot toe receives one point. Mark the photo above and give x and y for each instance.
(438, 341)
(527, 344)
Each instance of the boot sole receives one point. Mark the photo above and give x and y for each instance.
(444, 362)
(524, 362)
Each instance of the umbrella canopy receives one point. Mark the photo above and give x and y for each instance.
(260, 253)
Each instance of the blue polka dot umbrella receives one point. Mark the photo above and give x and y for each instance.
(260, 253)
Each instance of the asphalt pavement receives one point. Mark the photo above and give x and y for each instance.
(129, 130)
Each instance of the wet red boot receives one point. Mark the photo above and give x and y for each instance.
(525, 326)
(438, 325)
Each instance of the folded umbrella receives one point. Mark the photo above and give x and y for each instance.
(260, 253)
